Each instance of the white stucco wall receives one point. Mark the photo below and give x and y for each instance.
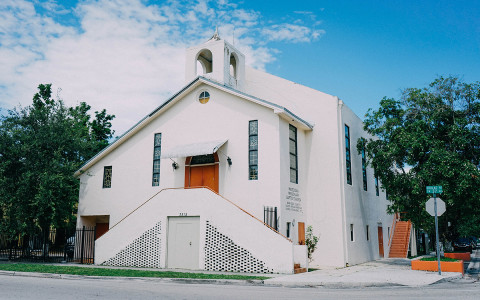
(320, 174)
(292, 195)
(323, 181)
(330, 204)
(322, 198)
(363, 208)
(224, 117)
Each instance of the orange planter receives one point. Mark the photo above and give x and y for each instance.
(463, 256)
(447, 266)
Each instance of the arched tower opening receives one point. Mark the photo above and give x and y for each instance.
(233, 66)
(204, 62)
(229, 66)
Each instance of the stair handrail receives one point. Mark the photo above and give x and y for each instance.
(407, 238)
(195, 187)
(396, 218)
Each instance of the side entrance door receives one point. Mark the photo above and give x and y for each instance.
(183, 242)
(301, 233)
(101, 229)
(380, 241)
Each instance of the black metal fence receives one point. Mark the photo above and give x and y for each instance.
(54, 245)
(270, 217)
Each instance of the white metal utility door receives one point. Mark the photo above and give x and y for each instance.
(183, 242)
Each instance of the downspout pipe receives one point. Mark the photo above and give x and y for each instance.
(341, 149)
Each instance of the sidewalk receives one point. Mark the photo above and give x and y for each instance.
(384, 272)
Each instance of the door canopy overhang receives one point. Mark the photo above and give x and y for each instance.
(194, 149)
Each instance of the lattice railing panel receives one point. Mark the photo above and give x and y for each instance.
(142, 252)
(222, 254)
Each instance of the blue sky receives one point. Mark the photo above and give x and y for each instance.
(128, 55)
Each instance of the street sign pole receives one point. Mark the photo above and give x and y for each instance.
(436, 233)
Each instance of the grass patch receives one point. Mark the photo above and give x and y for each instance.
(87, 271)
(441, 259)
(312, 269)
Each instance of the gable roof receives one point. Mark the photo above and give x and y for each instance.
(277, 109)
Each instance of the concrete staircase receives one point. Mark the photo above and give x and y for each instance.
(400, 240)
(141, 237)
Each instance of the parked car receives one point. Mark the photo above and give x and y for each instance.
(463, 244)
(474, 242)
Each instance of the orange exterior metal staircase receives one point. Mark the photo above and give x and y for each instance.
(400, 238)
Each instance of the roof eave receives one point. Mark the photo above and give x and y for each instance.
(135, 128)
(297, 121)
(279, 110)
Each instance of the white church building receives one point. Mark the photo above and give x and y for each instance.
(228, 174)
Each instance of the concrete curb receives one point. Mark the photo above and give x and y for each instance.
(114, 278)
(332, 285)
(459, 276)
(249, 282)
(350, 284)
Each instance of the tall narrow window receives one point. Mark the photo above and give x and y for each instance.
(368, 235)
(351, 232)
(288, 229)
(364, 169)
(253, 150)
(293, 154)
(107, 177)
(157, 151)
(377, 191)
(348, 161)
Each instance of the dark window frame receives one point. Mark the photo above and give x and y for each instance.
(352, 235)
(377, 189)
(295, 155)
(253, 150)
(157, 151)
(107, 172)
(364, 170)
(348, 155)
(202, 159)
(204, 97)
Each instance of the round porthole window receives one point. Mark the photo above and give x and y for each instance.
(204, 97)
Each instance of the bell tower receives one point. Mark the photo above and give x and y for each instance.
(216, 60)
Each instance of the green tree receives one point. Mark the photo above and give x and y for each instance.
(41, 146)
(311, 241)
(430, 137)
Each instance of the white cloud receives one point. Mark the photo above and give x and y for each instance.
(127, 56)
(292, 33)
(53, 7)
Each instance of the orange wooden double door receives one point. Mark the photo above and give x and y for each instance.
(202, 175)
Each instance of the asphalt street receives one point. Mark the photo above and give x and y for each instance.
(18, 287)
(48, 286)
